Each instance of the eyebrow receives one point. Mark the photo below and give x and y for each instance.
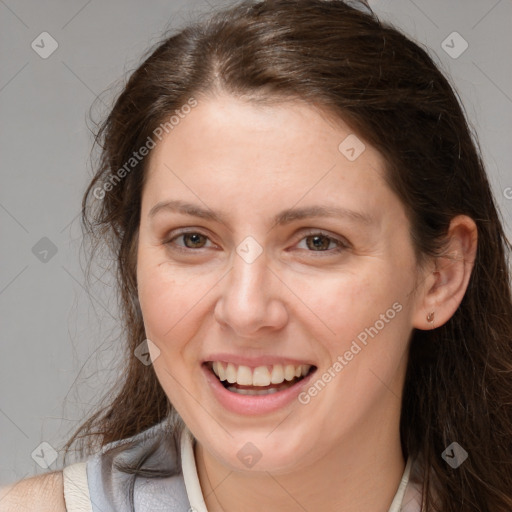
(284, 217)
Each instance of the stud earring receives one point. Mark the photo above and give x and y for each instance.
(430, 319)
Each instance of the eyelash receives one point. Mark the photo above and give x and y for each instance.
(342, 245)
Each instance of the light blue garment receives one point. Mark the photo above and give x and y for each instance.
(109, 487)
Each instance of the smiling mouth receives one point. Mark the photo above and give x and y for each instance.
(263, 380)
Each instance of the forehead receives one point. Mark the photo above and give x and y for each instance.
(240, 152)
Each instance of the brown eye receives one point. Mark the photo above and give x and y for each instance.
(193, 240)
(188, 240)
(319, 242)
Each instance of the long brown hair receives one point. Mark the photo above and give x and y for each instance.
(341, 57)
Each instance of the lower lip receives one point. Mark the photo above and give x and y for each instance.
(254, 404)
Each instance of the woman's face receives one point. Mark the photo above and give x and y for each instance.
(276, 248)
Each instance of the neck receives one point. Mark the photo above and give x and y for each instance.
(363, 474)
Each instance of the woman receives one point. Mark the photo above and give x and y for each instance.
(313, 278)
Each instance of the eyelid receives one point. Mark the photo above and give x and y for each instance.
(167, 241)
(342, 242)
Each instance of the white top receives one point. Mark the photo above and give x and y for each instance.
(76, 488)
(77, 493)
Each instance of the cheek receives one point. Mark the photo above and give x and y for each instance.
(365, 320)
(163, 298)
(156, 299)
(350, 302)
(368, 318)
(170, 300)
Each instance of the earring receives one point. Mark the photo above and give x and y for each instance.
(430, 319)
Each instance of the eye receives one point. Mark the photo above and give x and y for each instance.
(190, 239)
(321, 242)
(314, 241)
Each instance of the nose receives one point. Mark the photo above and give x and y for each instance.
(250, 301)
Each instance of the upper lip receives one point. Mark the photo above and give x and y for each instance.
(254, 362)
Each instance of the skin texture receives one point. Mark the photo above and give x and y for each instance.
(341, 451)
(42, 493)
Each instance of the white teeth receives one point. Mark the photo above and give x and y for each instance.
(289, 372)
(230, 373)
(259, 376)
(252, 391)
(220, 371)
(244, 376)
(277, 374)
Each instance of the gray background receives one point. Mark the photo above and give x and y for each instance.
(58, 338)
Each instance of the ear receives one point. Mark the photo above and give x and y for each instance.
(446, 280)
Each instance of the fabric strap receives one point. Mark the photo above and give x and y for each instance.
(76, 489)
(396, 505)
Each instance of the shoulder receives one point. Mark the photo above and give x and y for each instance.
(42, 493)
